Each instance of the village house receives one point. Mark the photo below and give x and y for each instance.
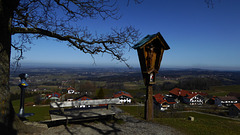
(225, 101)
(69, 97)
(82, 99)
(124, 97)
(191, 98)
(178, 93)
(53, 97)
(163, 103)
(72, 90)
(234, 110)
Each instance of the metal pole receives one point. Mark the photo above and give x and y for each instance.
(149, 103)
(23, 85)
(21, 110)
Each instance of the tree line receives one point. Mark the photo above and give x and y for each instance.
(191, 83)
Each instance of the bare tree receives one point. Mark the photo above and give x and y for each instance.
(61, 20)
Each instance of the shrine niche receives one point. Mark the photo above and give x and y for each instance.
(150, 52)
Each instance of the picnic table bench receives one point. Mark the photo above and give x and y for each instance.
(70, 110)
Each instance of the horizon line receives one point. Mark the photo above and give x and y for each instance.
(62, 65)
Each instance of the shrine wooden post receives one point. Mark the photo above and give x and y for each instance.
(150, 52)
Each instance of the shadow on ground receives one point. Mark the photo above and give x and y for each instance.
(109, 125)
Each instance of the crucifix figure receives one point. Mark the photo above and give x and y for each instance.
(150, 60)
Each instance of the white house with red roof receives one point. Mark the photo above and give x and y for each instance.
(81, 99)
(191, 98)
(70, 90)
(162, 102)
(124, 96)
(225, 101)
(53, 97)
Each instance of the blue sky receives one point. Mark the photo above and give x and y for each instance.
(199, 37)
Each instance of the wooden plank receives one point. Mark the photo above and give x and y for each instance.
(84, 102)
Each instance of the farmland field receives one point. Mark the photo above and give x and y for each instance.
(223, 90)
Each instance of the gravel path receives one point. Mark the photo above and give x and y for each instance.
(111, 128)
(127, 126)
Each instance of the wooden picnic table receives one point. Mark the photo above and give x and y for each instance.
(63, 113)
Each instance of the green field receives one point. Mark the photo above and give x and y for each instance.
(223, 90)
(202, 125)
(48, 87)
(41, 113)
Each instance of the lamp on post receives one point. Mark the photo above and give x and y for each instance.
(150, 52)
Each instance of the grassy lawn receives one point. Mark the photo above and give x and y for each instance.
(48, 87)
(136, 111)
(202, 125)
(41, 113)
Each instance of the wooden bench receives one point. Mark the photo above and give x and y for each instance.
(70, 110)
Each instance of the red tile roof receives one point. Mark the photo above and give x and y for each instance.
(55, 94)
(120, 93)
(84, 98)
(183, 93)
(237, 105)
(70, 88)
(179, 92)
(160, 99)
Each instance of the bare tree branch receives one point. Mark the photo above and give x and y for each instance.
(112, 44)
(54, 18)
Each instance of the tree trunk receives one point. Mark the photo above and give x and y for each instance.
(7, 114)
